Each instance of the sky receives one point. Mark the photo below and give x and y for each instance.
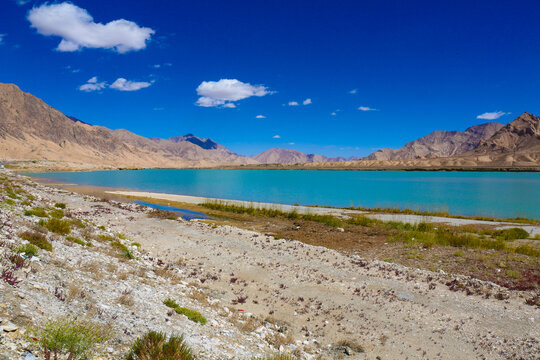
(337, 78)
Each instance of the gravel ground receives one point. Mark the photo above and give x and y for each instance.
(259, 294)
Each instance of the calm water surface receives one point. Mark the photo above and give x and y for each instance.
(465, 193)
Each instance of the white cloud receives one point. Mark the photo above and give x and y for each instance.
(93, 85)
(491, 115)
(260, 117)
(353, 91)
(2, 37)
(307, 102)
(78, 30)
(293, 103)
(22, 2)
(291, 143)
(366, 108)
(157, 66)
(127, 85)
(334, 113)
(276, 137)
(225, 91)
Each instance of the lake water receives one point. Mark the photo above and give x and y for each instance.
(464, 193)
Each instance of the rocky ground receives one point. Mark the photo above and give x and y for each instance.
(259, 294)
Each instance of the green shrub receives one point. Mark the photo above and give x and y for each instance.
(511, 234)
(155, 346)
(39, 212)
(325, 219)
(75, 240)
(28, 250)
(170, 303)
(9, 202)
(56, 213)
(60, 205)
(192, 315)
(37, 239)
(136, 244)
(105, 238)
(527, 250)
(72, 335)
(62, 227)
(78, 223)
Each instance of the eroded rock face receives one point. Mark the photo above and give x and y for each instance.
(440, 144)
(290, 156)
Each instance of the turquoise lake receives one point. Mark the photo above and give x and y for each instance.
(464, 193)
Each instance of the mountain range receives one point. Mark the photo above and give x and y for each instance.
(32, 130)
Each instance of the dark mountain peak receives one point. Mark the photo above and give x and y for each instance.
(77, 120)
(207, 144)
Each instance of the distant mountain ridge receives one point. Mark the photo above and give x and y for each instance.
(439, 143)
(32, 130)
(290, 156)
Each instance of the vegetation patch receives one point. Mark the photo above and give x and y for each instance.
(192, 315)
(59, 226)
(155, 346)
(37, 239)
(511, 234)
(76, 240)
(28, 250)
(39, 212)
(56, 213)
(78, 337)
(60, 205)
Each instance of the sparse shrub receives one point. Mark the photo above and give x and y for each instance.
(56, 213)
(62, 227)
(101, 227)
(325, 219)
(126, 298)
(155, 346)
(514, 274)
(72, 335)
(26, 203)
(276, 357)
(511, 234)
(105, 238)
(78, 223)
(28, 250)
(459, 253)
(9, 202)
(37, 239)
(39, 212)
(128, 254)
(163, 214)
(192, 315)
(60, 205)
(76, 240)
(136, 244)
(527, 250)
(121, 236)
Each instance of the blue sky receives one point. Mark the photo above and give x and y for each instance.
(377, 73)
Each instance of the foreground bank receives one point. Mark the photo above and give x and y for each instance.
(257, 293)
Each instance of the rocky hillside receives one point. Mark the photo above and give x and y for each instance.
(31, 129)
(518, 142)
(439, 144)
(290, 156)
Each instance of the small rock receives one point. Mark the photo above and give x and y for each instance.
(9, 327)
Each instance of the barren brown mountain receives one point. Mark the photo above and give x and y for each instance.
(440, 143)
(290, 156)
(31, 129)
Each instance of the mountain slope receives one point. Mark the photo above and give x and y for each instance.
(439, 144)
(31, 129)
(289, 156)
(518, 142)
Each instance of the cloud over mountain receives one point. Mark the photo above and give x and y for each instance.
(491, 115)
(226, 91)
(78, 30)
